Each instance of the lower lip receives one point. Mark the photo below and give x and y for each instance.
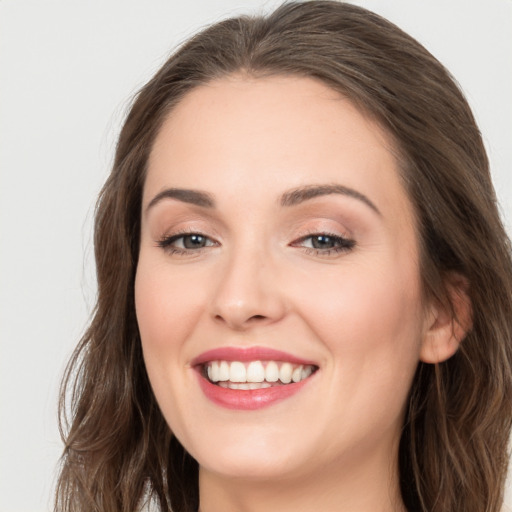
(248, 399)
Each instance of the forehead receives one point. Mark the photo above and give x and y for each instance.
(241, 135)
(302, 105)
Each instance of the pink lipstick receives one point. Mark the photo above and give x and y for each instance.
(251, 378)
(247, 354)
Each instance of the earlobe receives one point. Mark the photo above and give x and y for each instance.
(447, 324)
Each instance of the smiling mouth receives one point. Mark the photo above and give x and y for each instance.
(250, 375)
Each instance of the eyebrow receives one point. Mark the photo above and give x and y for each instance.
(184, 195)
(299, 195)
(290, 198)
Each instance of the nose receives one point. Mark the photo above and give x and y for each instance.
(248, 292)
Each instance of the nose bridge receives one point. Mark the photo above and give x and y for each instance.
(247, 290)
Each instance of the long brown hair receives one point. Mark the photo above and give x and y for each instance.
(454, 447)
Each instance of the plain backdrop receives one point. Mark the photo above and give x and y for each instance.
(68, 70)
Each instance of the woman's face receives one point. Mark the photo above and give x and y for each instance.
(278, 243)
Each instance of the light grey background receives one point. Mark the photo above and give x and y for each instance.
(68, 69)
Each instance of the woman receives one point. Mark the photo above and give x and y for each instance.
(305, 289)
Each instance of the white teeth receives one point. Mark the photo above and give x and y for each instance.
(237, 372)
(297, 374)
(243, 385)
(213, 371)
(306, 372)
(259, 385)
(223, 371)
(285, 373)
(255, 372)
(272, 372)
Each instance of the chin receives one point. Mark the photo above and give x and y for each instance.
(263, 467)
(251, 455)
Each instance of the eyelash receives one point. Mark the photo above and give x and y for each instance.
(343, 244)
(166, 242)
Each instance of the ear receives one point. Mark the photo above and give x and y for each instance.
(447, 324)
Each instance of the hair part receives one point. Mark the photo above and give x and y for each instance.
(454, 446)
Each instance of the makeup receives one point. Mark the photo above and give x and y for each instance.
(251, 378)
(285, 269)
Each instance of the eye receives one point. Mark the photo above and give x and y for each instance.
(185, 243)
(324, 243)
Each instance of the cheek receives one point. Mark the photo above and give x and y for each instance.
(370, 321)
(166, 307)
(168, 310)
(373, 335)
(362, 300)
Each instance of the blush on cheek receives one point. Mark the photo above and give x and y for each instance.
(367, 314)
(157, 303)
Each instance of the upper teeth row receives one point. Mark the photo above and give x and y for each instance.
(256, 371)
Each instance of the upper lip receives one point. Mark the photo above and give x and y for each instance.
(248, 354)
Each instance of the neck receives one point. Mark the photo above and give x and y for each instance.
(365, 488)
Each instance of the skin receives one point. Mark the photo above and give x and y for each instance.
(357, 313)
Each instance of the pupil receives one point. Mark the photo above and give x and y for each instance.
(193, 241)
(322, 242)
